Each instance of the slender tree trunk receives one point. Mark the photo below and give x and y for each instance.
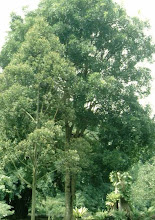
(34, 184)
(34, 176)
(69, 195)
(69, 180)
(68, 203)
(33, 207)
(73, 183)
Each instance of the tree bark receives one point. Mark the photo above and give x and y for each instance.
(69, 179)
(34, 176)
(33, 207)
(69, 195)
(68, 204)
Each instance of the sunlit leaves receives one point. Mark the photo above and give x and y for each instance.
(143, 185)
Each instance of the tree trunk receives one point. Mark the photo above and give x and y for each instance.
(34, 177)
(34, 184)
(69, 195)
(33, 207)
(69, 181)
(73, 186)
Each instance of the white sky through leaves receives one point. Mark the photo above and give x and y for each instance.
(8, 6)
(144, 9)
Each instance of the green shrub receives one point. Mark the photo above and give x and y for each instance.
(137, 215)
(5, 210)
(52, 206)
(146, 214)
(112, 198)
(81, 213)
(119, 215)
(111, 215)
(101, 215)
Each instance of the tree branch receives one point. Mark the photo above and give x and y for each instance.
(29, 115)
(25, 181)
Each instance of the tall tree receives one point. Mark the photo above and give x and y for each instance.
(106, 47)
(36, 84)
(98, 94)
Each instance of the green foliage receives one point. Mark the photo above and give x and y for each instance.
(91, 193)
(6, 186)
(122, 183)
(75, 156)
(45, 139)
(18, 29)
(143, 185)
(52, 207)
(5, 210)
(77, 23)
(111, 200)
(137, 214)
(119, 215)
(100, 215)
(30, 78)
(146, 214)
(80, 212)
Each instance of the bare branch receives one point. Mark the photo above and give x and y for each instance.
(56, 113)
(29, 115)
